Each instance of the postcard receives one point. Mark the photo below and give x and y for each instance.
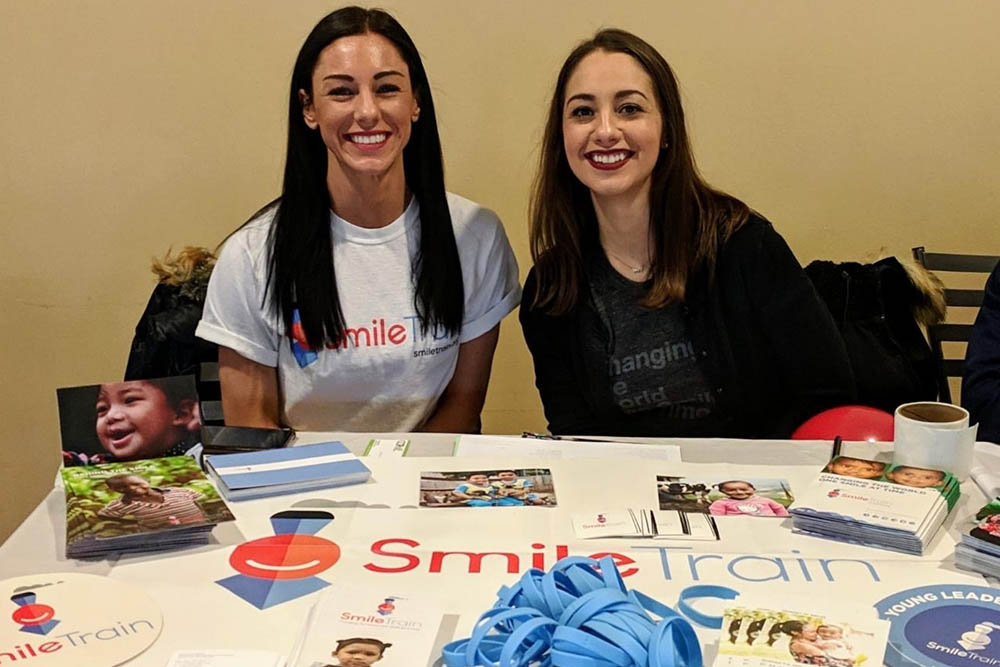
(510, 487)
(759, 637)
(725, 497)
(128, 421)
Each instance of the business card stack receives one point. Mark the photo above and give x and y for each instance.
(645, 523)
(273, 472)
(901, 510)
(979, 550)
(144, 505)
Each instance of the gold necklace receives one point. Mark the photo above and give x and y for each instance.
(642, 268)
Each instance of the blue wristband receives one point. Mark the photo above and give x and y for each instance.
(704, 591)
(581, 614)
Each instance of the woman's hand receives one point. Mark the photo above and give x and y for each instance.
(460, 405)
(249, 391)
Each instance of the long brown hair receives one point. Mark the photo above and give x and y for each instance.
(688, 218)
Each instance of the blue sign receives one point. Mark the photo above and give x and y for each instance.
(951, 625)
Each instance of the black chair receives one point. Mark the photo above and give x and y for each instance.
(210, 394)
(948, 332)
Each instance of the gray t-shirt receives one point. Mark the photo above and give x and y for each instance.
(650, 360)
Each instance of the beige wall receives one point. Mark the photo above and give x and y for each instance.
(128, 127)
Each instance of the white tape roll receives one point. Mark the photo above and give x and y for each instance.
(934, 435)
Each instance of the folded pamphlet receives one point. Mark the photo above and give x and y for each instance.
(351, 624)
(273, 472)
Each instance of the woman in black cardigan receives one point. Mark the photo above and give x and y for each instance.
(658, 305)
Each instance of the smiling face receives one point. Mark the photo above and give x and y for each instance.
(808, 632)
(612, 124)
(507, 477)
(135, 420)
(358, 654)
(479, 480)
(362, 103)
(132, 486)
(288, 556)
(829, 632)
(850, 467)
(737, 490)
(918, 477)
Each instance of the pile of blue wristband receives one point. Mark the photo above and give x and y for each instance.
(576, 616)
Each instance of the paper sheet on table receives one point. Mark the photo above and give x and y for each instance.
(985, 470)
(226, 658)
(498, 445)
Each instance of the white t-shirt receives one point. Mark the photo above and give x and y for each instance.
(383, 375)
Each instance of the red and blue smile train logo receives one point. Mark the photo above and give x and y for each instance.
(33, 616)
(387, 607)
(283, 567)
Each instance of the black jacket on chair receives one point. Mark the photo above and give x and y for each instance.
(874, 307)
(766, 345)
(164, 342)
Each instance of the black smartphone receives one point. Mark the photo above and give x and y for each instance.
(227, 439)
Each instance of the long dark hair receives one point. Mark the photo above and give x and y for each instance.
(300, 268)
(688, 218)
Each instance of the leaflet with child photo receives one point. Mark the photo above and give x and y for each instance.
(891, 506)
(129, 421)
(353, 626)
(139, 505)
(510, 487)
(759, 637)
(725, 496)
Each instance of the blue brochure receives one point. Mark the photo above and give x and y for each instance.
(273, 472)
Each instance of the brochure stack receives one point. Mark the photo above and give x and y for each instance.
(143, 505)
(900, 508)
(980, 547)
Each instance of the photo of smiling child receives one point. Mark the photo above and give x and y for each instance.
(356, 652)
(742, 498)
(848, 466)
(127, 421)
(725, 497)
(785, 637)
(150, 506)
(918, 478)
(517, 487)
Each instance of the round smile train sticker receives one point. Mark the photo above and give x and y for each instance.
(943, 625)
(75, 619)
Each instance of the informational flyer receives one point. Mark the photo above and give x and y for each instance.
(360, 626)
(760, 637)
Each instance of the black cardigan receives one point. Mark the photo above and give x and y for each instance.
(766, 343)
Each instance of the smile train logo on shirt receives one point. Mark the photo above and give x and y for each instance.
(380, 333)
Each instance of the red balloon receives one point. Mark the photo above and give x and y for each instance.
(850, 422)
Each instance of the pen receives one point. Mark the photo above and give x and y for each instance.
(567, 438)
(837, 442)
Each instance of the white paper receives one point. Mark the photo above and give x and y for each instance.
(225, 658)
(986, 469)
(493, 445)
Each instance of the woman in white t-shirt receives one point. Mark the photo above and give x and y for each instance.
(365, 298)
